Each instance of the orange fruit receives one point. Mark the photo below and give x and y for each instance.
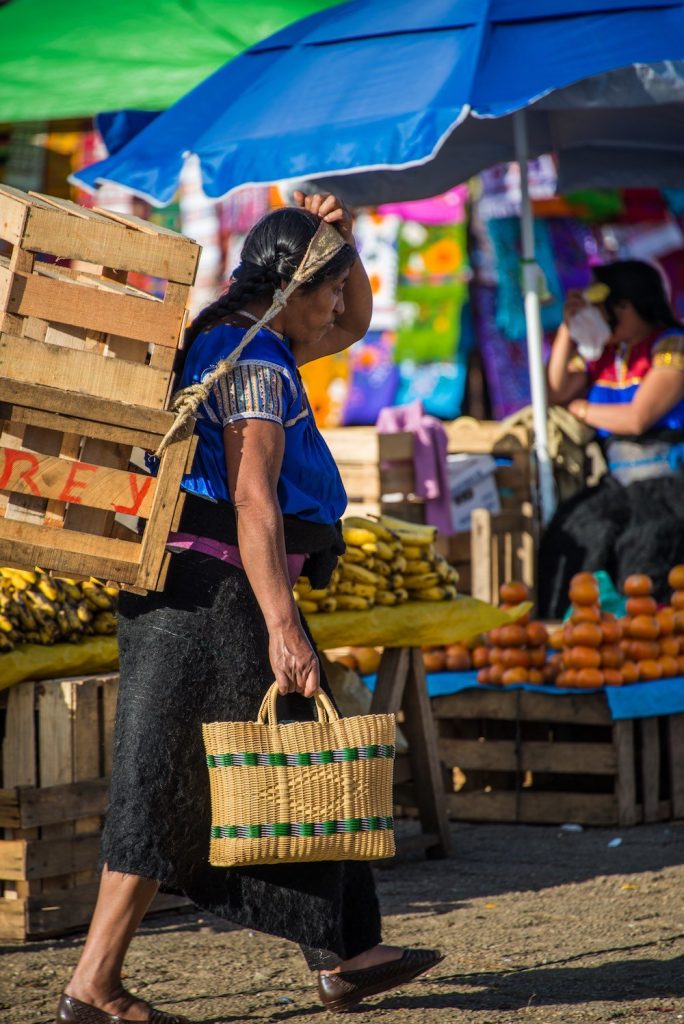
(521, 620)
(650, 669)
(480, 656)
(537, 634)
(514, 675)
(513, 636)
(556, 640)
(612, 656)
(669, 646)
(676, 577)
(643, 650)
(347, 659)
(537, 657)
(515, 657)
(582, 577)
(484, 676)
(611, 630)
(666, 620)
(630, 672)
(644, 627)
(584, 592)
(549, 673)
(680, 665)
(535, 677)
(677, 600)
(641, 606)
(495, 655)
(586, 613)
(589, 678)
(612, 677)
(434, 661)
(587, 634)
(514, 592)
(638, 585)
(678, 619)
(494, 636)
(496, 674)
(669, 666)
(457, 661)
(582, 657)
(567, 678)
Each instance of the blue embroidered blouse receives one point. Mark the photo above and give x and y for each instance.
(263, 384)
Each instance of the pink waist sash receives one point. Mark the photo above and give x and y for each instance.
(178, 542)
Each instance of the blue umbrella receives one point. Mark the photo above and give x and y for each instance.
(385, 87)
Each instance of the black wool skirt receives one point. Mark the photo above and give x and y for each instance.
(198, 652)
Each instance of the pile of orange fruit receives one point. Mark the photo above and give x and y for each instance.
(516, 652)
(589, 651)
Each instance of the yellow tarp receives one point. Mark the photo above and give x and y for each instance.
(33, 661)
(414, 624)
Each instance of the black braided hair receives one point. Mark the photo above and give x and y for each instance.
(641, 284)
(271, 253)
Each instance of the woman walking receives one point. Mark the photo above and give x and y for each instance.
(263, 504)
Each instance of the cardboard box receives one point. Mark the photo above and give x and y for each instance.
(472, 485)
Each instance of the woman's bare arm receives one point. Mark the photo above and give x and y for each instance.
(254, 454)
(564, 380)
(660, 390)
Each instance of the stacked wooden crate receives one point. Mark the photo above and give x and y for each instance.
(54, 777)
(550, 759)
(86, 372)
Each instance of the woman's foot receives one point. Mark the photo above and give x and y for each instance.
(92, 1006)
(344, 988)
(371, 958)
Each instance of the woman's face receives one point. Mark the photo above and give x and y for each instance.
(629, 325)
(310, 314)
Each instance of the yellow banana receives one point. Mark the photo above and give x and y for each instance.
(358, 574)
(370, 548)
(385, 597)
(63, 623)
(71, 590)
(382, 568)
(317, 595)
(430, 594)
(357, 536)
(307, 607)
(48, 588)
(94, 594)
(353, 555)
(442, 568)
(105, 624)
(396, 581)
(411, 552)
(328, 605)
(302, 584)
(418, 566)
(6, 644)
(112, 592)
(359, 589)
(84, 613)
(351, 603)
(6, 625)
(383, 583)
(423, 534)
(401, 595)
(18, 578)
(451, 592)
(398, 563)
(369, 524)
(40, 604)
(421, 582)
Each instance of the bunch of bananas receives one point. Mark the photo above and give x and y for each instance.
(39, 609)
(386, 562)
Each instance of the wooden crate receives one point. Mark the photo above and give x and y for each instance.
(516, 756)
(83, 327)
(377, 471)
(56, 760)
(510, 446)
(70, 497)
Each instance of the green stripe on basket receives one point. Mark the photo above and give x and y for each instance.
(303, 759)
(305, 829)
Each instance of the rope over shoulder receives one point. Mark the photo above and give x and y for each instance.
(326, 242)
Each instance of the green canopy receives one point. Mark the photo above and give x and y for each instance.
(78, 58)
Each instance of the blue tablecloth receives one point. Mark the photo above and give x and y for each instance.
(637, 700)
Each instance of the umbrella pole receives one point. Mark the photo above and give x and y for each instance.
(530, 274)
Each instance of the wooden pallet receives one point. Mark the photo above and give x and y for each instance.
(56, 760)
(377, 471)
(73, 495)
(515, 756)
(83, 327)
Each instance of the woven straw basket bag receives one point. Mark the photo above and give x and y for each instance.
(302, 791)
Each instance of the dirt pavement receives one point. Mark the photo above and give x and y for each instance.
(540, 926)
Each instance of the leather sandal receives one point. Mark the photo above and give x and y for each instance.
(73, 1011)
(342, 990)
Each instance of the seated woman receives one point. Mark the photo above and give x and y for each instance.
(632, 393)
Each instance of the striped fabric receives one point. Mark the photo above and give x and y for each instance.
(302, 828)
(252, 759)
(248, 391)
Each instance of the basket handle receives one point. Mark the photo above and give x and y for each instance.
(268, 715)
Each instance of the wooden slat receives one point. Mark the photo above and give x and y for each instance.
(70, 403)
(148, 320)
(87, 428)
(70, 552)
(364, 446)
(48, 858)
(14, 208)
(650, 768)
(19, 761)
(84, 372)
(675, 726)
(87, 742)
(96, 240)
(79, 482)
(583, 709)
(32, 806)
(171, 467)
(504, 755)
(625, 782)
(534, 808)
(55, 748)
(10, 813)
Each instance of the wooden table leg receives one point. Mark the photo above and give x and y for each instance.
(401, 685)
